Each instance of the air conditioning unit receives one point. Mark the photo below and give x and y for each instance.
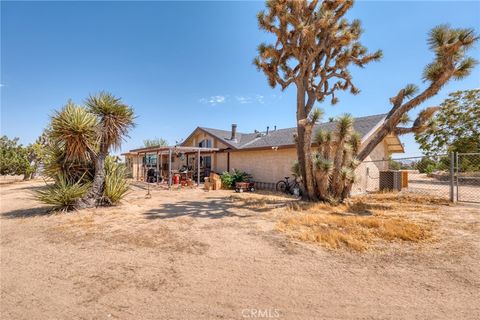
(390, 180)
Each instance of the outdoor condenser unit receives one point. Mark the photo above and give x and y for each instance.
(390, 180)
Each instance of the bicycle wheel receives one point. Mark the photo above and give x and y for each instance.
(281, 186)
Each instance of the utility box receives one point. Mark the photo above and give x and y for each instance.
(390, 180)
(404, 179)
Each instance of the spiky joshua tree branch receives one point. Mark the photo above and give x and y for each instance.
(450, 46)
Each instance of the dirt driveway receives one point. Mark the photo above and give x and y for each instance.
(192, 254)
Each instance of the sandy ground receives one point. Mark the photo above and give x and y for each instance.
(192, 254)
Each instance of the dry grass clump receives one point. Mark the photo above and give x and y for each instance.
(352, 232)
(403, 198)
(362, 221)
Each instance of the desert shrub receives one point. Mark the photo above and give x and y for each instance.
(426, 164)
(116, 185)
(229, 179)
(430, 169)
(63, 194)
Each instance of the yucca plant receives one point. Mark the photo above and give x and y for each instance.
(64, 193)
(116, 185)
(115, 119)
(80, 139)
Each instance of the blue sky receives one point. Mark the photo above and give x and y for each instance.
(188, 64)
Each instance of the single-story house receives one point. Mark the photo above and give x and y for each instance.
(268, 156)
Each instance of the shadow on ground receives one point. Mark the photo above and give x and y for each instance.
(214, 208)
(27, 213)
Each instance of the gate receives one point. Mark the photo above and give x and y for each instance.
(467, 177)
(453, 176)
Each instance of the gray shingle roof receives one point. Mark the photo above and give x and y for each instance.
(284, 137)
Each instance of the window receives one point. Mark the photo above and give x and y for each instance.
(150, 160)
(206, 143)
(206, 162)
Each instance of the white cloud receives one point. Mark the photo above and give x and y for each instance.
(243, 99)
(259, 98)
(213, 100)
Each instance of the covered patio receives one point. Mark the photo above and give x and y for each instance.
(164, 156)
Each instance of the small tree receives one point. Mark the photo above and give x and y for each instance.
(156, 142)
(13, 157)
(314, 47)
(455, 127)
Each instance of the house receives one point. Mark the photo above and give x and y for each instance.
(268, 156)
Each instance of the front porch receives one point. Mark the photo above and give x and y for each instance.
(170, 164)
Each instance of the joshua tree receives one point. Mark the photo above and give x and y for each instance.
(315, 46)
(79, 140)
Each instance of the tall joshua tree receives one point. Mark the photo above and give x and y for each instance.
(314, 47)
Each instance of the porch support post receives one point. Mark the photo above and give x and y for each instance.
(169, 167)
(145, 168)
(158, 164)
(198, 167)
(161, 165)
(137, 160)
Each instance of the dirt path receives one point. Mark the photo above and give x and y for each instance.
(198, 255)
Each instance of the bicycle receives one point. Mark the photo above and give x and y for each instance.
(286, 186)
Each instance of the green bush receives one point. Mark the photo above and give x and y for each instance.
(426, 164)
(229, 179)
(430, 168)
(116, 185)
(63, 194)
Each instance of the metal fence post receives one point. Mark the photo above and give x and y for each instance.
(452, 177)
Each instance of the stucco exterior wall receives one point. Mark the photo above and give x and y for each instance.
(220, 162)
(367, 172)
(265, 165)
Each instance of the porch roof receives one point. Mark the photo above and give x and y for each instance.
(158, 149)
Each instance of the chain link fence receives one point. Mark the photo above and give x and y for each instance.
(467, 174)
(449, 176)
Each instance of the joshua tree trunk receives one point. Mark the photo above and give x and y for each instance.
(304, 147)
(95, 194)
